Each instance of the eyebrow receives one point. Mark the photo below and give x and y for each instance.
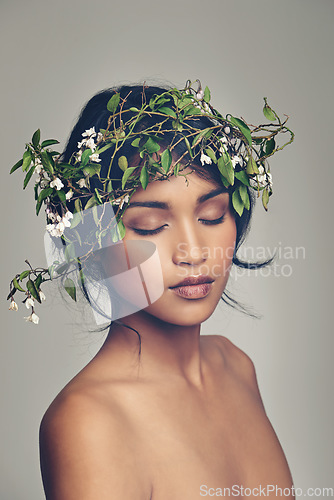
(166, 206)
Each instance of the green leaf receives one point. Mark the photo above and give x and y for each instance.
(151, 145)
(49, 142)
(36, 138)
(97, 194)
(134, 109)
(38, 207)
(166, 160)
(44, 194)
(33, 290)
(197, 139)
(113, 103)
(23, 275)
(61, 195)
(28, 177)
(135, 142)
(143, 177)
(95, 215)
(38, 281)
(226, 168)
(207, 95)
(70, 288)
(62, 268)
(16, 166)
(188, 147)
(47, 162)
(85, 157)
(123, 163)
(192, 110)
(251, 167)
(211, 154)
(92, 169)
(244, 129)
(237, 202)
(244, 196)
(77, 218)
(27, 157)
(127, 174)
(265, 198)
(109, 187)
(270, 146)
(268, 113)
(90, 203)
(242, 177)
(167, 111)
(17, 286)
(121, 229)
(69, 252)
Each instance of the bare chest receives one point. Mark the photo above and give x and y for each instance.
(193, 449)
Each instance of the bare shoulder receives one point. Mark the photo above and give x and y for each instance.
(86, 450)
(236, 360)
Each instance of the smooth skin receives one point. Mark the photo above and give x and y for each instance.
(187, 416)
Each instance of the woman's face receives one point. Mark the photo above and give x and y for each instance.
(194, 232)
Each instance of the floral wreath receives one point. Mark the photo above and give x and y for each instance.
(239, 151)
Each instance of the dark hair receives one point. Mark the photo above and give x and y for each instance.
(95, 114)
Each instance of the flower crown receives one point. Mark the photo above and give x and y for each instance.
(238, 150)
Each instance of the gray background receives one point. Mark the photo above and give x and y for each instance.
(55, 55)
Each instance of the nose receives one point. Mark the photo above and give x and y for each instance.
(189, 247)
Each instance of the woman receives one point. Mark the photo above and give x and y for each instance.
(184, 419)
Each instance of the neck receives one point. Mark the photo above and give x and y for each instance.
(166, 349)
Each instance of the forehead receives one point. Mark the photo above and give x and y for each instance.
(179, 189)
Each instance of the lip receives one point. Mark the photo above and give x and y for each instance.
(193, 287)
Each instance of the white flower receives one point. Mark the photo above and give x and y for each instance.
(95, 157)
(82, 183)
(56, 183)
(89, 133)
(82, 143)
(44, 183)
(52, 216)
(29, 302)
(68, 215)
(38, 166)
(55, 230)
(99, 137)
(33, 318)
(205, 159)
(227, 130)
(79, 155)
(235, 159)
(69, 194)
(270, 180)
(13, 305)
(41, 295)
(120, 201)
(90, 144)
(200, 94)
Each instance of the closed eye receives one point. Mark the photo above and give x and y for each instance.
(146, 232)
(211, 222)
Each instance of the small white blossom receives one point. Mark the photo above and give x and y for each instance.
(235, 159)
(82, 143)
(120, 201)
(41, 295)
(69, 194)
(200, 94)
(52, 216)
(33, 318)
(89, 133)
(99, 137)
(29, 302)
(13, 305)
(82, 183)
(205, 159)
(44, 183)
(95, 157)
(227, 130)
(90, 144)
(56, 183)
(79, 155)
(38, 166)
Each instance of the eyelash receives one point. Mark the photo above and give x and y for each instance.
(146, 232)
